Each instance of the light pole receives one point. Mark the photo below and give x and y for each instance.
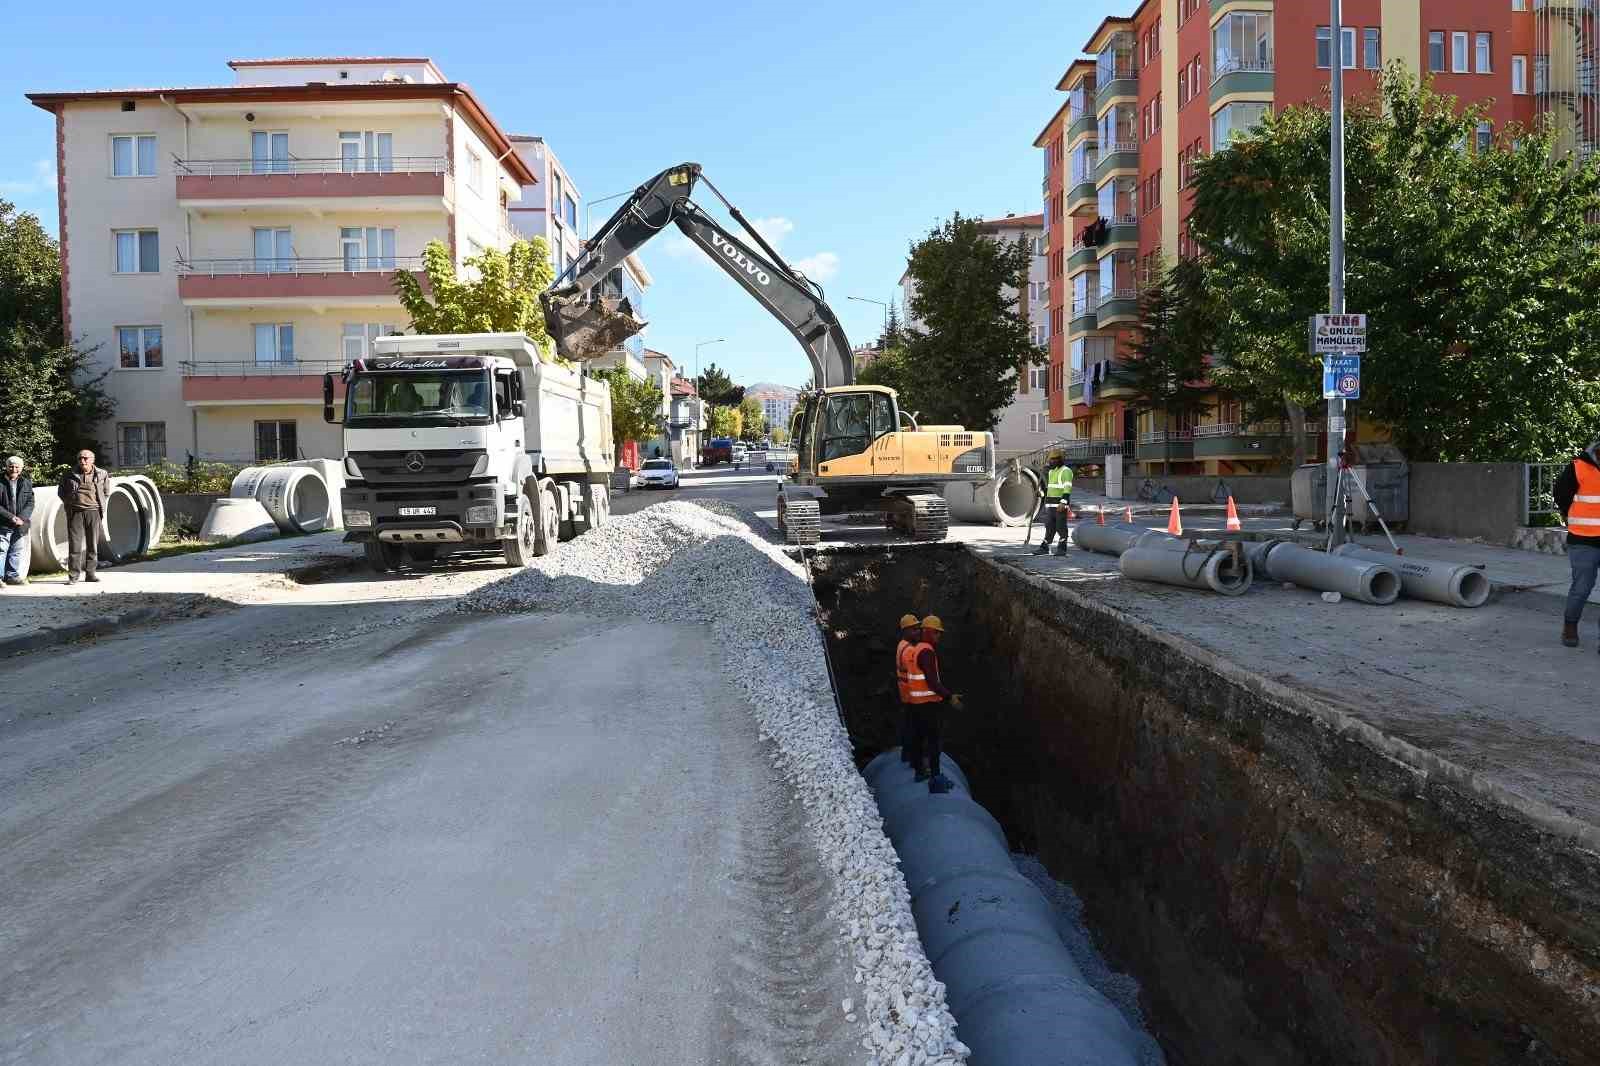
(587, 204)
(880, 303)
(1336, 269)
(697, 348)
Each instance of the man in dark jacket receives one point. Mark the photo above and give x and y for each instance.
(84, 493)
(1578, 497)
(16, 512)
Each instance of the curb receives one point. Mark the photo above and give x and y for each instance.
(94, 627)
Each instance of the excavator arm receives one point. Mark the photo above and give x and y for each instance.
(585, 325)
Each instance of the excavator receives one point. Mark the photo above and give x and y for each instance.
(856, 449)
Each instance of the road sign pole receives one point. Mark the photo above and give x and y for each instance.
(1335, 426)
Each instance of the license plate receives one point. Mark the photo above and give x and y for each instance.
(417, 512)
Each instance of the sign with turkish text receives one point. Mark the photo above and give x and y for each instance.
(1341, 377)
(1338, 333)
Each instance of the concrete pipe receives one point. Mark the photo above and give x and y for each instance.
(238, 520)
(1006, 501)
(332, 473)
(122, 529)
(1215, 569)
(147, 512)
(1115, 538)
(295, 496)
(159, 514)
(1456, 584)
(48, 533)
(1360, 579)
(1017, 994)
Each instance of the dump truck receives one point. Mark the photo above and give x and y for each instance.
(469, 443)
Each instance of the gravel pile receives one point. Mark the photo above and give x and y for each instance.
(739, 583)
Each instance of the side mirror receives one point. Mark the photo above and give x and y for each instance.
(327, 400)
(516, 408)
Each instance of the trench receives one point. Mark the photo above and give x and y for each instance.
(1281, 891)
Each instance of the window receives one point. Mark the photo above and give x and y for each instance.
(1483, 50)
(355, 338)
(269, 152)
(1372, 49)
(137, 251)
(1234, 120)
(141, 443)
(366, 150)
(133, 156)
(1519, 75)
(274, 250)
(1435, 50)
(1039, 377)
(1183, 85)
(1485, 136)
(1036, 423)
(276, 441)
(571, 211)
(139, 347)
(1347, 46)
(274, 343)
(1325, 47)
(1458, 53)
(556, 193)
(1242, 41)
(474, 172)
(367, 248)
(1519, 5)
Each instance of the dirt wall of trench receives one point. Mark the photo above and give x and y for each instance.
(1288, 885)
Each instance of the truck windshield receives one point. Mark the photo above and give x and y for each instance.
(453, 397)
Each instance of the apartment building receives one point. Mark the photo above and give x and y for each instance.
(1177, 79)
(1024, 423)
(687, 422)
(223, 247)
(549, 207)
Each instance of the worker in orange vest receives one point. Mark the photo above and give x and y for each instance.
(910, 635)
(927, 696)
(1577, 493)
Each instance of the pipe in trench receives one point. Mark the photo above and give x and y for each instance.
(1017, 995)
(1458, 585)
(1005, 501)
(1214, 568)
(1360, 579)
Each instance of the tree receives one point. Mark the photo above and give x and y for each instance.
(752, 419)
(720, 394)
(1168, 370)
(779, 435)
(503, 298)
(52, 399)
(1477, 269)
(725, 422)
(635, 406)
(963, 366)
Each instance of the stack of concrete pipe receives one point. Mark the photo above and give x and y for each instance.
(296, 496)
(134, 521)
(1017, 994)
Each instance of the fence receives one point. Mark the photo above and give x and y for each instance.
(1539, 490)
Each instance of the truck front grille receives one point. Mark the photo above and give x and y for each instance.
(437, 465)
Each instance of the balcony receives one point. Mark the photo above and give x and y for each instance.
(1116, 157)
(1118, 305)
(1241, 440)
(332, 281)
(1081, 197)
(235, 381)
(1083, 317)
(1238, 75)
(1165, 445)
(315, 185)
(1091, 449)
(1075, 386)
(1120, 230)
(1082, 124)
(1083, 256)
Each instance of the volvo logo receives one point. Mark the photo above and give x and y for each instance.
(415, 462)
(738, 258)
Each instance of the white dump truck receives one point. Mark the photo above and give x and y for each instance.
(469, 443)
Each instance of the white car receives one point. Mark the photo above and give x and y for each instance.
(658, 473)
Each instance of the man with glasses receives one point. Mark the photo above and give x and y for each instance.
(84, 492)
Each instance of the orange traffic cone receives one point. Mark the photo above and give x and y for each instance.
(1233, 518)
(1127, 515)
(1174, 523)
(1100, 518)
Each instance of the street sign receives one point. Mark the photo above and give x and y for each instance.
(1341, 377)
(1338, 333)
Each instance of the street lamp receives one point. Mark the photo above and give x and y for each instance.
(697, 348)
(587, 204)
(880, 303)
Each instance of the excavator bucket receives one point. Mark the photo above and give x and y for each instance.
(586, 329)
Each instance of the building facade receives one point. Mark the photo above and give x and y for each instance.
(1177, 79)
(550, 207)
(222, 248)
(688, 423)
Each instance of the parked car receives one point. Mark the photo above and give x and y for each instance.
(718, 450)
(658, 473)
(741, 452)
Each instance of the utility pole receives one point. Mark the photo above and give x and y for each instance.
(1335, 423)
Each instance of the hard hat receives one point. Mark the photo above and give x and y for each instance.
(1057, 457)
(932, 622)
(908, 620)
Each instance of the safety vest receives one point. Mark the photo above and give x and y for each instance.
(913, 682)
(1583, 518)
(1058, 482)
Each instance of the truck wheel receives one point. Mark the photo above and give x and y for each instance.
(519, 550)
(383, 557)
(547, 524)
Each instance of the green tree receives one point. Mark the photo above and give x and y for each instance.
(724, 421)
(1168, 368)
(963, 366)
(719, 394)
(752, 419)
(1477, 269)
(503, 298)
(53, 400)
(635, 406)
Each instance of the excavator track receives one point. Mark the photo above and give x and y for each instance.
(800, 521)
(929, 516)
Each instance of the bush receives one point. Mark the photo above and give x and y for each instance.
(194, 476)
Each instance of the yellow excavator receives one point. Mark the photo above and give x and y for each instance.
(856, 450)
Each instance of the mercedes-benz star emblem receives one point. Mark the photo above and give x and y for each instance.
(415, 462)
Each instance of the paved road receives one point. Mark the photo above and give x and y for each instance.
(336, 833)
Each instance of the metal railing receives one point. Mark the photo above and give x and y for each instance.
(233, 168)
(1075, 377)
(331, 264)
(1117, 146)
(1241, 65)
(1541, 484)
(1084, 306)
(249, 368)
(1122, 220)
(1116, 295)
(1252, 429)
(1085, 446)
(1162, 436)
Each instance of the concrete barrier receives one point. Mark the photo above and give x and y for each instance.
(1468, 500)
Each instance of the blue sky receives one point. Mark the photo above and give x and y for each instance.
(852, 128)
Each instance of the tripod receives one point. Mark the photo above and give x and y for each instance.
(1339, 512)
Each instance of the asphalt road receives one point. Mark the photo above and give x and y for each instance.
(339, 832)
